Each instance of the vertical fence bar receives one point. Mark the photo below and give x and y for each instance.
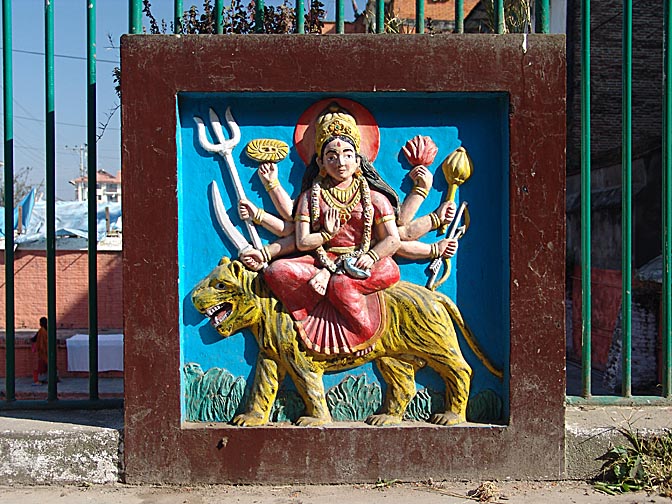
(8, 97)
(667, 205)
(50, 178)
(259, 16)
(219, 16)
(177, 16)
(340, 16)
(92, 158)
(134, 16)
(626, 207)
(500, 24)
(586, 315)
(419, 16)
(380, 16)
(459, 16)
(542, 20)
(300, 17)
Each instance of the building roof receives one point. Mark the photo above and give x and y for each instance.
(102, 177)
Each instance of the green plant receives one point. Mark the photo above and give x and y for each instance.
(353, 400)
(646, 464)
(239, 18)
(213, 396)
(287, 407)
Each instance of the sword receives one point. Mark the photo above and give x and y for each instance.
(231, 231)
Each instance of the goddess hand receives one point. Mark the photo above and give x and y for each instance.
(332, 221)
(364, 262)
(447, 247)
(246, 210)
(446, 212)
(267, 172)
(422, 177)
(252, 259)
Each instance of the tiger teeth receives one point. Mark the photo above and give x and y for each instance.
(213, 309)
(219, 318)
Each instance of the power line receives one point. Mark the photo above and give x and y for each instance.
(64, 56)
(57, 122)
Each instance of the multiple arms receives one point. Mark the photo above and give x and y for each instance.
(390, 238)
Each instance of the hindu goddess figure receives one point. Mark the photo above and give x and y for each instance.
(347, 220)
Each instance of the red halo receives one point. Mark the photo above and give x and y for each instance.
(304, 133)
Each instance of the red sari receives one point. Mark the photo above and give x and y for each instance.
(347, 320)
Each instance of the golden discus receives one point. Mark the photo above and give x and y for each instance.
(267, 149)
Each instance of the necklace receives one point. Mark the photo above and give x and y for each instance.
(363, 195)
(344, 200)
(344, 195)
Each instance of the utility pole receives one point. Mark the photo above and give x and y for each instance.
(82, 151)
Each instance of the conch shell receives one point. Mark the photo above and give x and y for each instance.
(267, 149)
(420, 150)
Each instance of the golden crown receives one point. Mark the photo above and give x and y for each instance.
(336, 123)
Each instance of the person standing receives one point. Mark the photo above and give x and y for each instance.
(41, 346)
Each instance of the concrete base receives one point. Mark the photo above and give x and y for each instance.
(61, 447)
(78, 447)
(592, 430)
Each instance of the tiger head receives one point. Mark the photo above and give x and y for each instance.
(225, 296)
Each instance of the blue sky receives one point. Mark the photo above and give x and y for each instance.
(70, 86)
(70, 82)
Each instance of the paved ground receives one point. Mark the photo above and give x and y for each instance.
(68, 388)
(426, 493)
(85, 447)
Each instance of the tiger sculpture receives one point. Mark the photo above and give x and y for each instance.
(418, 331)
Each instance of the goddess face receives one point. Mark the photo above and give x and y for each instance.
(339, 160)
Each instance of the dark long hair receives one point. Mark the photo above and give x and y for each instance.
(370, 173)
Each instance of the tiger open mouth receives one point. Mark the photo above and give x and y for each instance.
(219, 313)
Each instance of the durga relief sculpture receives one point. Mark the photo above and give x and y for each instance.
(327, 295)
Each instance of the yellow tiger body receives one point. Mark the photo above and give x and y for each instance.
(418, 331)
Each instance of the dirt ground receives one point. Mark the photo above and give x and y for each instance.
(388, 493)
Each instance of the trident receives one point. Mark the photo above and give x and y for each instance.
(224, 148)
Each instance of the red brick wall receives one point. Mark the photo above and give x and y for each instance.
(25, 361)
(435, 9)
(30, 280)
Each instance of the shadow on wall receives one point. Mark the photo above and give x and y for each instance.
(71, 289)
(72, 305)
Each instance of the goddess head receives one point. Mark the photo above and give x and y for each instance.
(336, 123)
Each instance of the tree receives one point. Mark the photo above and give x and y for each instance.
(22, 185)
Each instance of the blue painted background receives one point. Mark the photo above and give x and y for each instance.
(479, 281)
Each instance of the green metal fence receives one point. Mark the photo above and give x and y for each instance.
(52, 400)
(541, 25)
(626, 396)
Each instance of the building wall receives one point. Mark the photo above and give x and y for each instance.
(30, 280)
(25, 360)
(435, 9)
(606, 51)
(606, 127)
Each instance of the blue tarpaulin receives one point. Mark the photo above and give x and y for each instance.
(71, 220)
(26, 206)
